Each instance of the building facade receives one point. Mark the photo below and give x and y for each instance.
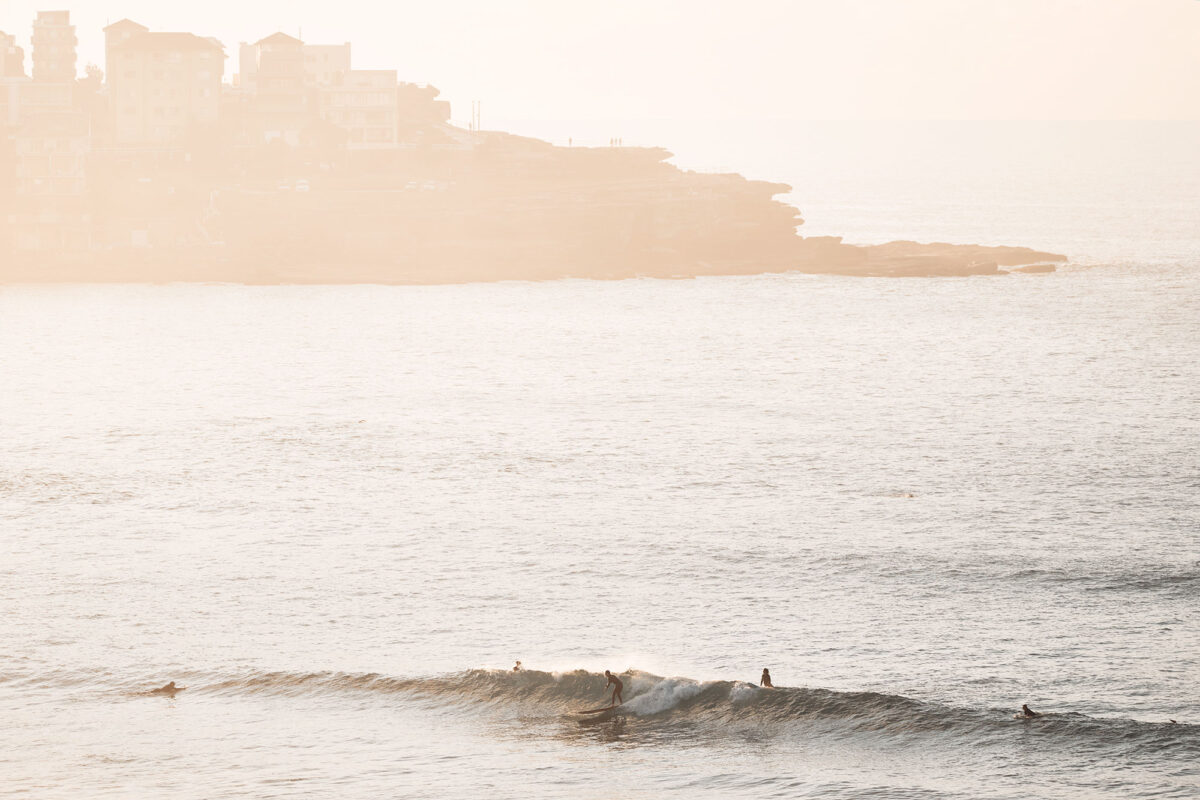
(162, 85)
(12, 79)
(281, 104)
(12, 57)
(117, 34)
(363, 103)
(51, 170)
(326, 64)
(54, 47)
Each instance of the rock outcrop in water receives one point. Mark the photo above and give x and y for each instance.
(452, 207)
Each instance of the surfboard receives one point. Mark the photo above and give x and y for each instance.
(596, 710)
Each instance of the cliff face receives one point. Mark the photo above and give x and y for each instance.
(454, 209)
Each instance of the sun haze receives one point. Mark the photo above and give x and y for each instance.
(759, 59)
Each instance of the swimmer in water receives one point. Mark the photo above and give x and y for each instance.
(517, 667)
(765, 680)
(1026, 711)
(169, 689)
(614, 682)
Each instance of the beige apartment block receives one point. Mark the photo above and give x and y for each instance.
(54, 47)
(323, 63)
(280, 103)
(117, 34)
(10, 100)
(162, 85)
(326, 64)
(364, 105)
(51, 152)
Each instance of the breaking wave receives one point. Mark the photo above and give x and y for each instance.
(702, 707)
(662, 704)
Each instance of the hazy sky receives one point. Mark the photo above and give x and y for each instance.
(730, 59)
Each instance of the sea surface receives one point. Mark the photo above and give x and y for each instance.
(339, 515)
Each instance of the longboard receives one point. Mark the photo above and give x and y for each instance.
(596, 710)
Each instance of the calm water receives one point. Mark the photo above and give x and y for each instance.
(338, 514)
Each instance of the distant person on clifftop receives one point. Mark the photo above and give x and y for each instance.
(765, 680)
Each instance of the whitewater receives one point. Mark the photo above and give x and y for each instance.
(339, 515)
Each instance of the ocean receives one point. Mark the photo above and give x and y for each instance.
(338, 515)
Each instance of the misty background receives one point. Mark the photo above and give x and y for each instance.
(706, 60)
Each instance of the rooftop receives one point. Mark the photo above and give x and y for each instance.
(175, 42)
(279, 38)
(126, 24)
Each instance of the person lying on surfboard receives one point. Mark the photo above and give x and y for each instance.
(614, 682)
(1026, 711)
(170, 689)
(765, 680)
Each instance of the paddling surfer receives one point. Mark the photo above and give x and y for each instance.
(1028, 712)
(170, 689)
(614, 682)
(765, 680)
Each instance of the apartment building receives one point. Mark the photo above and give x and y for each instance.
(51, 175)
(326, 64)
(161, 85)
(54, 47)
(281, 104)
(363, 103)
(12, 78)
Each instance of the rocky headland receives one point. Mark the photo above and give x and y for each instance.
(457, 207)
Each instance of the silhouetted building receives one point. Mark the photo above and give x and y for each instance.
(161, 85)
(12, 78)
(54, 47)
(281, 106)
(12, 57)
(53, 87)
(52, 155)
(363, 103)
(323, 64)
(326, 64)
(116, 34)
(51, 171)
(418, 105)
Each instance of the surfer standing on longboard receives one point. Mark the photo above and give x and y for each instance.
(614, 682)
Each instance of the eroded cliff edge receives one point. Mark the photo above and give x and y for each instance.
(455, 208)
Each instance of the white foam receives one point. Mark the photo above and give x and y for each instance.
(742, 692)
(662, 695)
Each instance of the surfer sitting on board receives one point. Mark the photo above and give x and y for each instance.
(614, 682)
(765, 680)
(1026, 711)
